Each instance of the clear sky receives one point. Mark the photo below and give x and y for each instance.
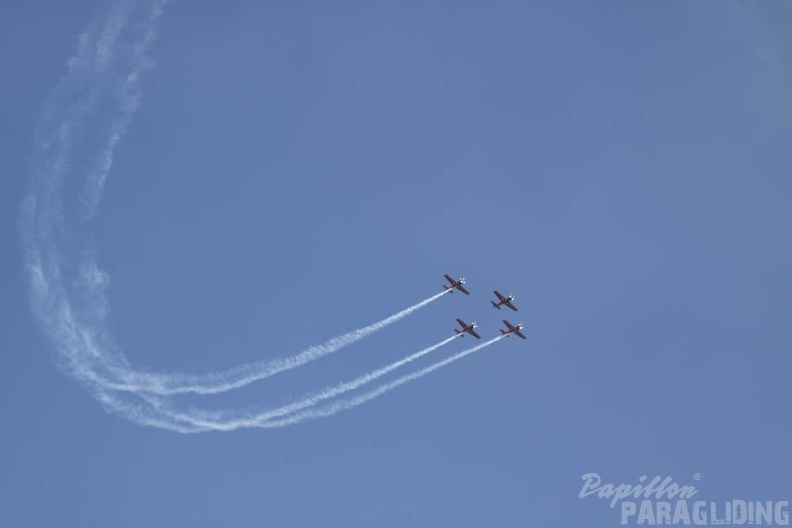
(293, 171)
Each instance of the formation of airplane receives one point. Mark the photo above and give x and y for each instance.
(467, 328)
(456, 284)
(507, 301)
(502, 301)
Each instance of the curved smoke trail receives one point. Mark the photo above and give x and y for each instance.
(170, 384)
(66, 286)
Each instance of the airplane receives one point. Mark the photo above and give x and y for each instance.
(512, 329)
(456, 284)
(503, 301)
(467, 328)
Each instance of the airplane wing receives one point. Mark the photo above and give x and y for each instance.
(449, 279)
(500, 297)
(474, 334)
(510, 305)
(462, 289)
(519, 334)
(460, 321)
(508, 324)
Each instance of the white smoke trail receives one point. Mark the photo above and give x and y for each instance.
(41, 217)
(213, 383)
(72, 310)
(264, 420)
(219, 421)
(128, 98)
(44, 221)
(344, 405)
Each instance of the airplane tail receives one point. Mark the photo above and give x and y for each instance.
(447, 288)
(503, 331)
(495, 305)
(459, 333)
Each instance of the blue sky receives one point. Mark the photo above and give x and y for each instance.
(296, 171)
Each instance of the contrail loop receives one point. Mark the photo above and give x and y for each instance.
(72, 307)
